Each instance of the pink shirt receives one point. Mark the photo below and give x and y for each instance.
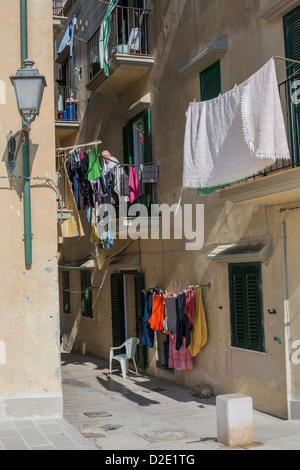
(135, 191)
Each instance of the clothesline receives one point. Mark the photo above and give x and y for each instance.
(196, 286)
(89, 144)
(65, 150)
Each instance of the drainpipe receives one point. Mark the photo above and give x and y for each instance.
(26, 159)
(286, 316)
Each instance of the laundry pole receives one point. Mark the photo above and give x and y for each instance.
(26, 158)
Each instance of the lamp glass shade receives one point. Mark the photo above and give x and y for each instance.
(29, 94)
(29, 88)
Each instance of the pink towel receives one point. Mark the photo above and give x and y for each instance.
(135, 191)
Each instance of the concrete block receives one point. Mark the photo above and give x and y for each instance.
(234, 419)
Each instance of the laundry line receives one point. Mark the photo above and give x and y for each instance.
(74, 147)
(190, 287)
(40, 178)
(64, 150)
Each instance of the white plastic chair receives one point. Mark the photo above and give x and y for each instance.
(130, 345)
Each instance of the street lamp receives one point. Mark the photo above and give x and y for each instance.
(29, 87)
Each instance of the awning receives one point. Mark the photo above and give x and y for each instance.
(84, 264)
(126, 261)
(255, 251)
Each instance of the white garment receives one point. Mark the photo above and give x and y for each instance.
(236, 135)
(109, 164)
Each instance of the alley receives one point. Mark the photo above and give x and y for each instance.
(146, 413)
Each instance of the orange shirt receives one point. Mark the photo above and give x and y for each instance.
(158, 313)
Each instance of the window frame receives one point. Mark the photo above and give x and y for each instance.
(247, 321)
(86, 294)
(128, 149)
(66, 298)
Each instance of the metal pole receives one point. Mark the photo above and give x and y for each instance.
(26, 157)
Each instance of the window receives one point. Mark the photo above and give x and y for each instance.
(86, 294)
(66, 292)
(210, 82)
(137, 149)
(292, 45)
(247, 330)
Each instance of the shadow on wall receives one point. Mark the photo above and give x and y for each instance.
(13, 158)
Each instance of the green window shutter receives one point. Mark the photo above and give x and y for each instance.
(247, 330)
(210, 81)
(147, 145)
(292, 46)
(66, 292)
(86, 294)
(117, 308)
(141, 354)
(127, 146)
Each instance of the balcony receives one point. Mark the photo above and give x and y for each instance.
(58, 16)
(126, 55)
(280, 183)
(66, 111)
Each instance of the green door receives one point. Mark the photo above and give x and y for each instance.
(117, 307)
(140, 306)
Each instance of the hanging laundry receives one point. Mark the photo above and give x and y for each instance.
(117, 172)
(135, 191)
(68, 37)
(99, 252)
(71, 227)
(158, 313)
(182, 328)
(148, 333)
(199, 332)
(189, 309)
(179, 359)
(94, 170)
(170, 315)
(235, 135)
(149, 173)
(124, 187)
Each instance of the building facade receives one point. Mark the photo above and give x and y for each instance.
(128, 92)
(30, 374)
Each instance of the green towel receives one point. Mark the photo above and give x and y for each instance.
(94, 170)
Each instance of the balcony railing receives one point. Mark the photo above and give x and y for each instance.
(58, 7)
(290, 98)
(129, 35)
(65, 104)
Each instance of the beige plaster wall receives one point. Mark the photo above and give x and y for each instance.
(29, 312)
(179, 31)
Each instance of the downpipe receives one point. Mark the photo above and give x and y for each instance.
(26, 155)
(286, 317)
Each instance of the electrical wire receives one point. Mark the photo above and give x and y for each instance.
(46, 179)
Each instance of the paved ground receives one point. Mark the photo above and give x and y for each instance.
(137, 413)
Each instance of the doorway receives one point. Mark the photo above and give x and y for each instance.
(128, 301)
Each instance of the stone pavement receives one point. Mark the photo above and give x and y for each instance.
(147, 413)
(134, 414)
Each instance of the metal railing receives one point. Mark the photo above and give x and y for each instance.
(289, 91)
(58, 7)
(128, 35)
(65, 104)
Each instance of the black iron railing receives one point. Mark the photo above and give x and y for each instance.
(65, 104)
(58, 7)
(128, 35)
(289, 91)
